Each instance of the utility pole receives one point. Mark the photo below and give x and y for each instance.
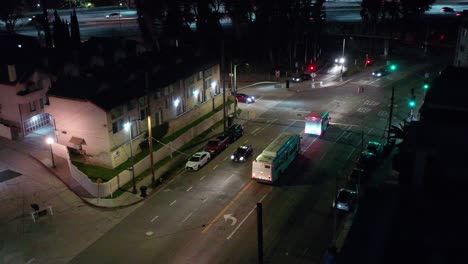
(224, 85)
(260, 233)
(391, 114)
(150, 130)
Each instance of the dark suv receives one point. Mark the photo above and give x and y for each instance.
(235, 132)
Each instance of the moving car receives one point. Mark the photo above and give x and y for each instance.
(447, 9)
(234, 132)
(198, 160)
(345, 200)
(301, 77)
(245, 98)
(242, 153)
(380, 72)
(114, 15)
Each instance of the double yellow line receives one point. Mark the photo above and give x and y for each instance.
(227, 207)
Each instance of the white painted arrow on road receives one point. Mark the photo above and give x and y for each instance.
(229, 216)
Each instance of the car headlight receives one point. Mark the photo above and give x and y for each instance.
(249, 99)
(241, 158)
(379, 74)
(232, 157)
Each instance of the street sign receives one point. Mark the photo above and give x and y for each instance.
(313, 75)
(277, 73)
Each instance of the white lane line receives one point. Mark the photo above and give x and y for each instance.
(342, 134)
(245, 218)
(173, 203)
(216, 166)
(304, 150)
(189, 189)
(370, 130)
(154, 218)
(205, 200)
(227, 179)
(323, 156)
(202, 177)
(245, 142)
(30, 261)
(187, 217)
(350, 154)
(270, 122)
(255, 130)
(225, 159)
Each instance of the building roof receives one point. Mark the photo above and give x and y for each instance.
(109, 87)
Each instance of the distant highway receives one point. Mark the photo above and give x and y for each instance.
(93, 22)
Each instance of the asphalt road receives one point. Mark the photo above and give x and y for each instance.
(209, 216)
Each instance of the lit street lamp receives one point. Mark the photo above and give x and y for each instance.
(234, 87)
(50, 141)
(128, 127)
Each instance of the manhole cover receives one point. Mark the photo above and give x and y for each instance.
(8, 175)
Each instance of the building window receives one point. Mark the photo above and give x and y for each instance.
(32, 106)
(157, 95)
(199, 76)
(189, 81)
(168, 101)
(131, 105)
(41, 103)
(115, 127)
(116, 112)
(208, 72)
(166, 91)
(142, 101)
(143, 113)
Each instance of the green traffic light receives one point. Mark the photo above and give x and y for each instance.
(426, 86)
(412, 104)
(393, 67)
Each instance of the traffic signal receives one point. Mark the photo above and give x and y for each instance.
(412, 102)
(312, 68)
(426, 86)
(393, 67)
(368, 61)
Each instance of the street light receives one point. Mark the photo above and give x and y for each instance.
(50, 141)
(234, 87)
(128, 127)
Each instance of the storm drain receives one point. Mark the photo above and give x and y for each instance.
(8, 175)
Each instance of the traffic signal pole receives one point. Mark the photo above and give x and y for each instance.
(390, 116)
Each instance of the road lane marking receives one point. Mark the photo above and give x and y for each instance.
(189, 189)
(370, 130)
(205, 200)
(154, 218)
(342, 134)
(216, 166)
(173, 203)
(245, 142)
(247, 216)
(323, 156)
(350, 154)
(304, 150)
(225, 159)
(202, 177)
(255, 130)
(187, 217)
(227, 179)
(227, 207)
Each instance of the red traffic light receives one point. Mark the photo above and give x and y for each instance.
(312, 68)
(368, 61)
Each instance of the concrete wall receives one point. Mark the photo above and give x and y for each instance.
(5, 132)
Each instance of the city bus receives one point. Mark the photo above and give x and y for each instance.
(316, 124)
(276, 157)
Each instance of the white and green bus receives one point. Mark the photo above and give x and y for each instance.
(316, 124)
(276, 157)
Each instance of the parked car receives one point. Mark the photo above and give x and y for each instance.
(245, 98)
(380, 72)
(114, 15)
(217, 144)
(376, 148)
(197, 160)
(242, 153)
(345, 200)
(367, 161)
(301, 77)
(358, 176)
(235, 132)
